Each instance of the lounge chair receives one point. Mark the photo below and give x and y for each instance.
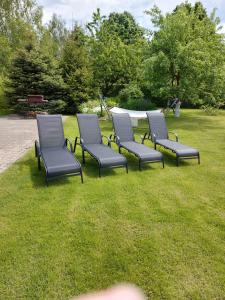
(160, 136)
(52, 148)
(124, 137)
(91, 141)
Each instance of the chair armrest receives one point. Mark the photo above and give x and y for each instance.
(68, 142)
(175, 134)
(153, 137)
(78, 143)
(116, 139)
(145, 137)
(37, 149)
(111, 139)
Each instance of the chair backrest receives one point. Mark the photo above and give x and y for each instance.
(89, 128)
(50, 131)
(157, 125)
(123, 127)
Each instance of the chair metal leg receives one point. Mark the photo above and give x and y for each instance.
(119, 150)
(199, 159)
(155, 146)
(139, 165)
(81, 176)
(177, 160)
(127, 168)
(99, 172)
(83, 157)
(163, 163)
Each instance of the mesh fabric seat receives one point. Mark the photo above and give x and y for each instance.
(52, 148)
(91, 142)
(125, 139)
(59, 162)
(160, 136)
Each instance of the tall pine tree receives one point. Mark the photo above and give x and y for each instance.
(32, 72)
(77, 71)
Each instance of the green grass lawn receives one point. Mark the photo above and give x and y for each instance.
(162, 229)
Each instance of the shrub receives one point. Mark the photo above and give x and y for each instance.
(130, 93)
(89, 106)
(132, 97)
(51, 107)
(112, 101)
(142, 104)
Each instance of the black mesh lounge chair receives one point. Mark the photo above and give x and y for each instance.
(91, 142)
(52, 148)
(124, 138)
(160, 136)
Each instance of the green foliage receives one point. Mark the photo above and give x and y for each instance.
(124, 26)
(112, 101)
(34, 73)
(184, 57)
(53, 37)
(52, 107)
(187, 58)
(76, 70)
(117, 50)
(4, 108)
(130, 92)
(132, 97)
(20, 23)
(89, 106)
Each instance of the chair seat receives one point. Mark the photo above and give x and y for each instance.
(180, 149)
(60, 161)
(143, 152)
(105, 155)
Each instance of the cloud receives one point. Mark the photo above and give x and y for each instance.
(81, 10)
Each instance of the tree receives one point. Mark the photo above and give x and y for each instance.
(116, 61)
(187, 55)
(53, 37)
(77, 72)
(115, 65)
(94, 27)
(124, 26)
(34, 73)
(20, 21)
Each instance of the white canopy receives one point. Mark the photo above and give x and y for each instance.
(134, 114)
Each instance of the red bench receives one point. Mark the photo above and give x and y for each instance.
(36, 99)
(33, 99)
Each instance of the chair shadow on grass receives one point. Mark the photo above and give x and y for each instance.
(38, 176)
(91, 170)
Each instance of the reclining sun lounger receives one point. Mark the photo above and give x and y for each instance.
(124, 138)
(160, 136)
(57, 158)
(91, 142)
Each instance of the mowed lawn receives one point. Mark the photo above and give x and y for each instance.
(162, 229)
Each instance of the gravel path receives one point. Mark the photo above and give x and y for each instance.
(16, 136)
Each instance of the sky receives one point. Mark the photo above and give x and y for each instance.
(81, 10)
